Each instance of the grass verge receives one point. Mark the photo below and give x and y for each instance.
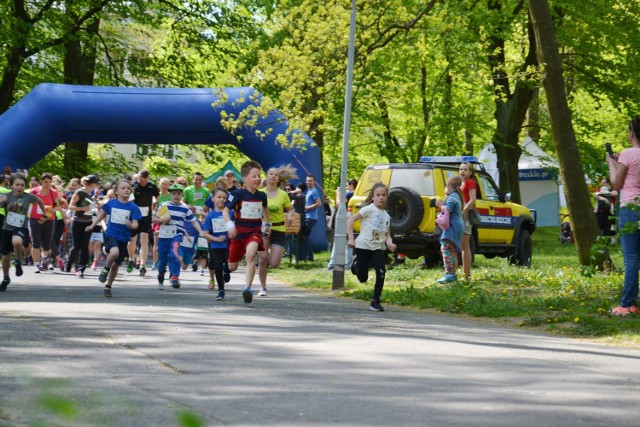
(555, 295)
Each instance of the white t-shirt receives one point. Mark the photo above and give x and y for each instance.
(373, 228)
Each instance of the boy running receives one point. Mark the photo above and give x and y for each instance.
(250, 208)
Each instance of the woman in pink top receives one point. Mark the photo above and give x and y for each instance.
(41, 223)
(625, 177)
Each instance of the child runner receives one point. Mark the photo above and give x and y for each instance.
(97, 237)
(250, 206)
(164, 196)
(187, 250)
(14, 230)
(171, 216)
(123, 217)
(469, 191)
(202, 246)
(450, 239)
(373, 240)
(216, 234)
(279, 204)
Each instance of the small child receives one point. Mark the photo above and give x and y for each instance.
(123, 217)
(469, 191)
(171, 216)
(450, 239)
(97, 238)
(217, 235)
(187, 250)
(250, 209)
(202, 246)
(15, 231)
(373, 240)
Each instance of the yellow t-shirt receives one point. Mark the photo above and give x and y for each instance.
(277, 205)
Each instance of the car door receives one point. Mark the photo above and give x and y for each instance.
(496, 217)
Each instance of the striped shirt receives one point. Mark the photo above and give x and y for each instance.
(179, 214)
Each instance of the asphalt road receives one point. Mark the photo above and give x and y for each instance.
(293, 358)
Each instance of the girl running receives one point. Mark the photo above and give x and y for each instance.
(373, 240)
(41, 222)
(15, 233)
(81, 205)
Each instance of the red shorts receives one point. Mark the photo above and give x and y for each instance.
(238, 247)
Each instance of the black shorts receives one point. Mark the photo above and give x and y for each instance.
(144, 226)
(112, 242)
(41, 233)
(6, 247)
(277, 238)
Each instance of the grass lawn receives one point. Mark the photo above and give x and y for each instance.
(556, 294)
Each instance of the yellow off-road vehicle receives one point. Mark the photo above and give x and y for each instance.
(505, 228)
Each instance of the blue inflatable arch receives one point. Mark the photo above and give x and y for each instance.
(52, 114)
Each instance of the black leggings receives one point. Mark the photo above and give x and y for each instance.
(364, 258)
(218, 263)
(79, 243)
(58, 229)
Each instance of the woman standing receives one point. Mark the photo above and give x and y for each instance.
(624, 169)
(279, 204)
(469, 191)
(81, 205)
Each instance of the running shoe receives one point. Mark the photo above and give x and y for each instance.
(104, 274)
(263, 292)
(160, 282)
(94, 265)
(375, 306)
(143, 270)
(447, 278)
(130, 266)
(36, 268)
(175, 282)
(201, 272)
(212, 284)
(18, 265)
(107, 291)
(4, 284)
(247, 295)
(61, 264)
(154, 266)
(220, 295)
(79, 273)
(623, 311)
(194, 267)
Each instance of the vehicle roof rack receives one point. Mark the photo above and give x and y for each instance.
(452, 160)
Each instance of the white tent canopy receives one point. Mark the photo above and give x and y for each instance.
(539, 189)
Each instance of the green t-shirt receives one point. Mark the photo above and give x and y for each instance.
(164, 198)
(4, 190)
(194, 197)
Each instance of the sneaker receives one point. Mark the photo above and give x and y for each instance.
(263, 292)
(107, 291)
(18, 265)
(44, 264)
(94, 265)
(4, 284)
(143, 270)
(447, 278)
(137, 264)
(61, 264)
(80, 274)
(212, 284)
(175, 282)
(154, 265)
(201, 272)
(247, 295)
(161, 284)
(220, 295)
(375, 306)
(194, 267)
(130, 266)
(623, 311)
(104, 274)
(37, 268)
(52, 265)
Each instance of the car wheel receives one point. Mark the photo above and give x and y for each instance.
(405, 208)
(524, 251)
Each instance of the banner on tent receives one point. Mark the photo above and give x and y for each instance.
(536, 174)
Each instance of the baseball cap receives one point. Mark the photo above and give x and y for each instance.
(229, 172)
(176, 187)
(93, 179)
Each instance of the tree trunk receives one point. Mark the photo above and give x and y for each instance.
(533, 117)
(79, 68)
(15, 59)
(571, 170)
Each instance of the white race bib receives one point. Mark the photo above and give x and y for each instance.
(15, 219)
(38, 210)
(198, 210)
(167, 231)
(197, 196)
(218, 225)
(119, 216)
(187, 241)
(251, 210)
(144, 210)
(202, 242)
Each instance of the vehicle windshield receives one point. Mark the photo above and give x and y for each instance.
(419, 180)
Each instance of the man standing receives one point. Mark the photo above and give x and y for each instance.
(196, 194)
(311, 207)
(144, 192)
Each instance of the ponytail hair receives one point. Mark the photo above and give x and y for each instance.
(369, 198)
(456, 182)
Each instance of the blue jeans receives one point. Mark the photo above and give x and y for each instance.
(348, 259)
(304, 245)
(631, 253)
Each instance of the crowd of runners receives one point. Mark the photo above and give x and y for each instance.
(165, 228)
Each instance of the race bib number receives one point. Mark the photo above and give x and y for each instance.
(38, 210)
(187, 242)
(218, 225)
(202, 242)
(167, 231)
(144, 210)
(197, 196)
(198, 210)
(251, 210)
(119, 216)
(15, 219)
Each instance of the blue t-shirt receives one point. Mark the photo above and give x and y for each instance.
(311, 197)
(215, 225)
(118, 212)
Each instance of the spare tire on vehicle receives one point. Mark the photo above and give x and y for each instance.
(405, 208)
